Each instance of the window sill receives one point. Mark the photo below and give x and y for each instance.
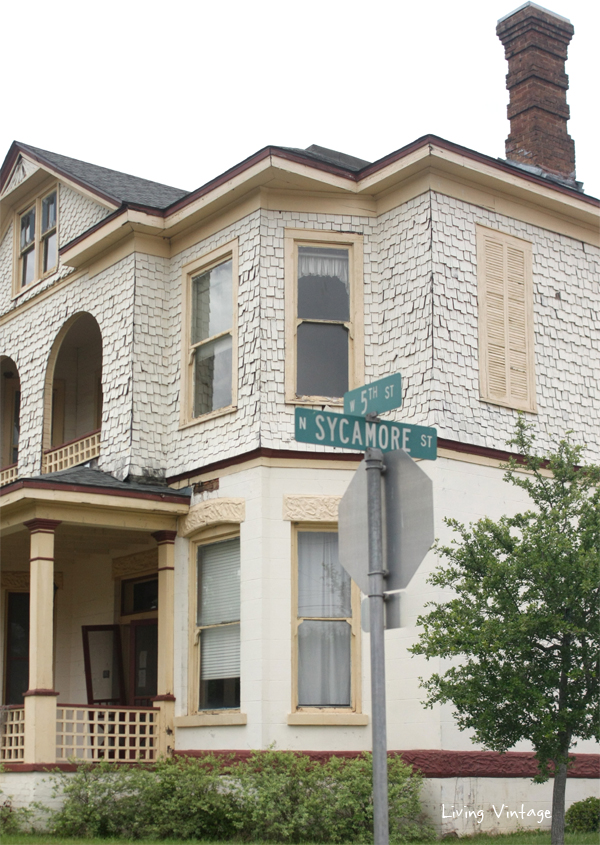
(508, 403)
(318, 401)
(202, 720)
(221, 412)
(324, 717)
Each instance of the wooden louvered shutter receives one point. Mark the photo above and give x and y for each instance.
(505, 320)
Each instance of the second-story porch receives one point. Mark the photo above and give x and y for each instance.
(87, 584)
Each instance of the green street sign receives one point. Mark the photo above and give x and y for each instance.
(375, 398)
(350, 432)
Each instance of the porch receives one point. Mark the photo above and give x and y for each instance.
(87, 595)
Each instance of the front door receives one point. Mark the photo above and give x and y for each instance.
(17, 647)
(143, 662)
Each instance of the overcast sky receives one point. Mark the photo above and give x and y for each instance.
(178, 92)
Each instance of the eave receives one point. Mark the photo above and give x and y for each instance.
(430, 163)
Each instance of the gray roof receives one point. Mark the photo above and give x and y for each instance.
(120, 187)
(88, 477)
(318, 153)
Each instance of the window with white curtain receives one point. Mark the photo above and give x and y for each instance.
(325, 624)
(218, 625)
(324, 314)
(38, 239)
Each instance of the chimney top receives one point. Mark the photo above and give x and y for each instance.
(534, 6)
(535, 44)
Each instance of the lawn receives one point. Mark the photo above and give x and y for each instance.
(525, 838)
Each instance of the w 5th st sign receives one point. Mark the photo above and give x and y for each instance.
(350, 432)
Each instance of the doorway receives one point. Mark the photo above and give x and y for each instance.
(143, 662)
(17, 647)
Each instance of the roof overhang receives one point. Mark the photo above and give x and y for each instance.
(429, 163)
(88, 506)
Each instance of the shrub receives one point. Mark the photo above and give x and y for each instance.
(274, 796)
(583, 816)
(13, 819)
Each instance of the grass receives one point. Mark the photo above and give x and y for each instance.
(523, 838)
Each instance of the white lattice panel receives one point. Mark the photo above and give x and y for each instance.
(12, 734)
(119, 734)
(74, 453)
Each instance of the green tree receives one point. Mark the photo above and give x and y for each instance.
(523, 626)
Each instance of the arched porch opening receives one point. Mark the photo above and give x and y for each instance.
(10, 403)
(73, 395)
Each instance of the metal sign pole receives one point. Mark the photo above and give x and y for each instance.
(375, 467)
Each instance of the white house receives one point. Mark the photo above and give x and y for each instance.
(170, 581)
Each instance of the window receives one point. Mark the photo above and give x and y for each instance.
(139, 595)
(327, 638)
(38, 239)
(324, 355)
(506, 343)
(211, 290)
(218, 625)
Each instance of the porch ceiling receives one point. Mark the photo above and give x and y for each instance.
(75, 541)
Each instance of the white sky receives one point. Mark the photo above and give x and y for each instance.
(178, 92)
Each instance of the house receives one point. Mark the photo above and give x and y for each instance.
(170, 581)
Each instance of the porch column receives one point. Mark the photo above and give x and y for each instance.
(164, 698)
(40, 698)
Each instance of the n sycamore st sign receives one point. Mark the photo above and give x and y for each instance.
(350, 432)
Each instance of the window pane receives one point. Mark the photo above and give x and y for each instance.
(324, 587)
(212, 376)
(324, 664)
(28, 267)
(323, 284)
(50, 254)
(219, 583)
(219, 693)
(212, 302)
(49, 212)
(322, 362)
(27, 228)
(220, 652)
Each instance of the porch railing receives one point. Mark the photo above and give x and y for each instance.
(8, 474)
(73, 453)
(12, 733)
(120, 734)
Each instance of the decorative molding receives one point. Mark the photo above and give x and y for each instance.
(23, 169)
(19, 580)
(43, 526)
(213, 512)
(303, 508)
(164, 537)
(137, 564)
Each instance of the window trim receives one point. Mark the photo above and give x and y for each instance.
(34, 202)
(304, 715)
(356, 357)
(196, 717)
(190, 270)
(484, 234)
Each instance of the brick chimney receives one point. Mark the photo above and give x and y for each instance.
(535, 44)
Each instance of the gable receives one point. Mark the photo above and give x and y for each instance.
(22, 170)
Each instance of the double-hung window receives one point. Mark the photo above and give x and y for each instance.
(324, 315)
(210, 296)
(38, 239)
(218, 625)
(326, 635)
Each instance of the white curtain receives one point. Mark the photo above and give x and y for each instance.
(313, 261)
(324, 590)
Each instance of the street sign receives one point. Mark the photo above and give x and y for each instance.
(408, 522)
(375, 398)
(350, 432)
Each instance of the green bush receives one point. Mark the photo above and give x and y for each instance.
(13, 819)
(274, 796)
(583, 816)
